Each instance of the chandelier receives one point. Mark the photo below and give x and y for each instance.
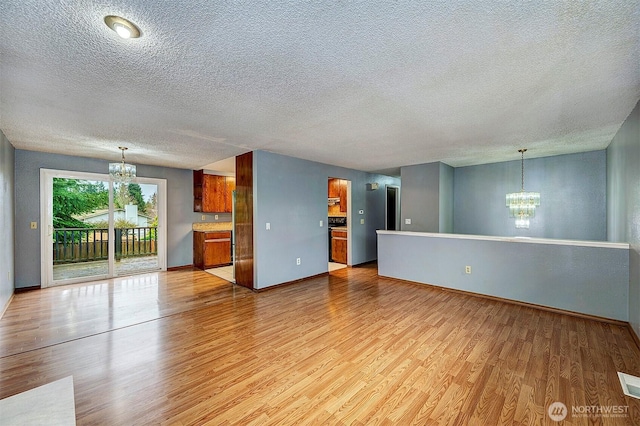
(522, 205)
(122, 172)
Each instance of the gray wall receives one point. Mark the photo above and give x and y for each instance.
(589, 280)
(446, 198)
(7, 202)
(572, 197)
(180, 215)
(420, 199)
(623, 202)
(291, 195)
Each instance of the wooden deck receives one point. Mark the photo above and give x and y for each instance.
(125, 266)
(185, 347)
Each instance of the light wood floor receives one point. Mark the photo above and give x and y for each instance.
(186, 347)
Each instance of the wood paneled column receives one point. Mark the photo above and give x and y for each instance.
(244, 220)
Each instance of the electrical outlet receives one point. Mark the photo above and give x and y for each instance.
(216, 217)
(204, 217)
(467, 269)
(34, 225)
(298, 261)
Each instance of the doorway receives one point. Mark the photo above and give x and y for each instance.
(93, 228)
(392, 208)
(338, 223)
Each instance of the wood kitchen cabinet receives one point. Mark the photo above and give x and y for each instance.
(338, 189)
(343, 196)
(229, 187)
(339, 246)
(211, 249)
(213, 197)
(212, 193)
(334, 188)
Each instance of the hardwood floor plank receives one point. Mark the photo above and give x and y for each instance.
(185, 347)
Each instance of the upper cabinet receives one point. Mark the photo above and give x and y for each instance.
(334, 188)
(212, 193)
(230, 186)
(343, 196)
(338, 189)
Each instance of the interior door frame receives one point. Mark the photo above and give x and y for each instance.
(386, 207)
(350, 225)
(46, 221)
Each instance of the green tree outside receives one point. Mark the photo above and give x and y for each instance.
(72, 197)
(135, 194)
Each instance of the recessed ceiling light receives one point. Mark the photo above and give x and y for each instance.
(123, 27)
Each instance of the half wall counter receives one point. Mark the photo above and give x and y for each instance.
(586, 277)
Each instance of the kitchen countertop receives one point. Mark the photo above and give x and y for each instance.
(212, 226)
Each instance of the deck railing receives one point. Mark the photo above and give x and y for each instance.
(73, 245)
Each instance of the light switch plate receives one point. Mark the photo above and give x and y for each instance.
(268, 226)
(361, 221)
(407, 221)
(320, 224)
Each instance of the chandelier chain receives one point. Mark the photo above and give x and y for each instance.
(522, 167)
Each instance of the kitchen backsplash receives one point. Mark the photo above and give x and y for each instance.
(212, 226)
(335, 211)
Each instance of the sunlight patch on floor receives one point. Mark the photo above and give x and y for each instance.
(333, 266)
(224, 272)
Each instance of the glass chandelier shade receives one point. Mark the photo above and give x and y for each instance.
(122, 172)
(522, 205)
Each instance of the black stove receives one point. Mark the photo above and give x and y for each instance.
(335, 222)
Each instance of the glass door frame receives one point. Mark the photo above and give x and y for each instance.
(46, 228)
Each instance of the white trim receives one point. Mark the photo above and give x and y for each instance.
(161, 204)
(4, 310)
(46, 212)
(111, 248)
(576, 243)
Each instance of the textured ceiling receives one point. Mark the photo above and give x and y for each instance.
(367, 85)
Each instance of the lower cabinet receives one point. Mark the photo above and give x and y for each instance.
(211, 249)
(339, 246)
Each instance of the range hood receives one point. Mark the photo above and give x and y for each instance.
(334, 200)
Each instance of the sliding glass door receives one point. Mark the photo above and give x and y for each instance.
(135, 228)
(93, 228)
(80, 247)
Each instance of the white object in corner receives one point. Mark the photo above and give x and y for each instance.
(630, 385)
